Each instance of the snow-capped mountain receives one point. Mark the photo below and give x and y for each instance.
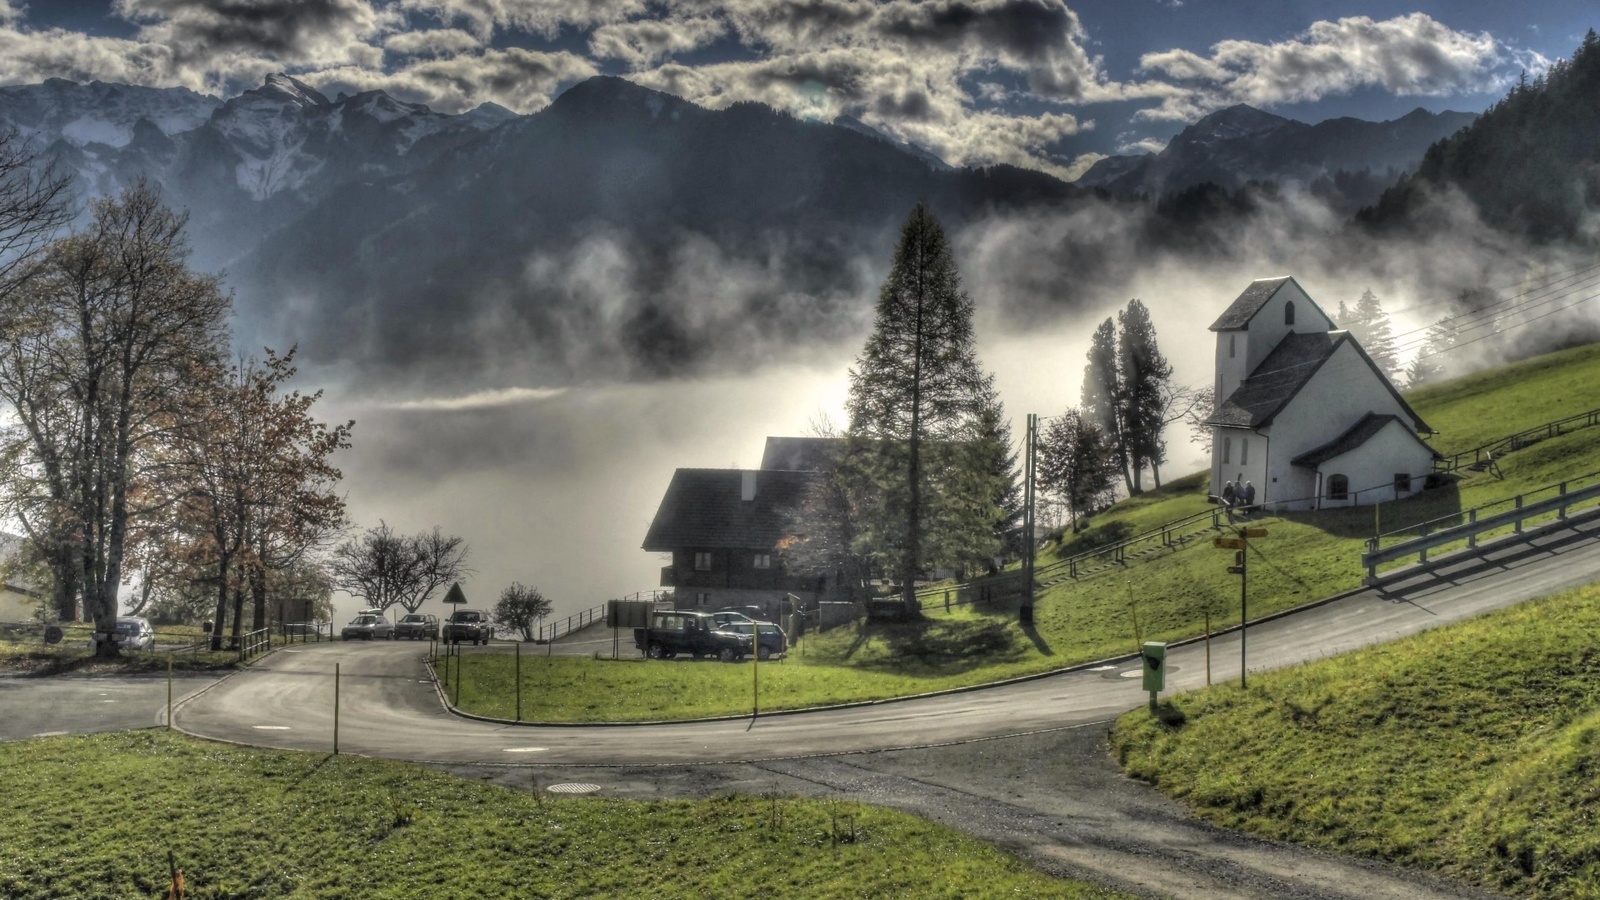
(241, 166)
(1241, 143)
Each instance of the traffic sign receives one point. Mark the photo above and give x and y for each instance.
(1223, 543)
(1255, 532)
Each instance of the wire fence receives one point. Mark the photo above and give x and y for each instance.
(1480, 458)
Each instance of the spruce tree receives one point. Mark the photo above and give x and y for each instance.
(1102, 394)
(920, 458)
(1372, 329)
(1145, 376)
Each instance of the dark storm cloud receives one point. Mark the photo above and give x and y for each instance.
(286, 30)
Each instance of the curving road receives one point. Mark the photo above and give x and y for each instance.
(389, 707)
(1023, 765)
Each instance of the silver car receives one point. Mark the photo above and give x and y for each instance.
(133, 633)
(368, 627)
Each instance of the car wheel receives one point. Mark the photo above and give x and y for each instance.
(726, 654)
(655, 652)
(765, 653)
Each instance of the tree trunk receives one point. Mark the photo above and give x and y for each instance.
(222, 602)
(1155, 472)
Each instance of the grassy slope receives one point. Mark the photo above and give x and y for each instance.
(95, 817)
(1305, 557)
(1473, 749)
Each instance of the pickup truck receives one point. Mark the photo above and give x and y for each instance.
(469, 625)
(694, 633)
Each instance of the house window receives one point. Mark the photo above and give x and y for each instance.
(763, 560)
(1288, 313)
(1227, 449)
(1244, 451)
(702, 599)
(1402, 482)
(1232, 339)
(702, 561)
(1338, 487)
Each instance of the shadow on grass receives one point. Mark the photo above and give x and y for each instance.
(1437, 503)
(1039, 642)
(941, 647)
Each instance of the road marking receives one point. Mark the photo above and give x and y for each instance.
(271, 727)
(1102, 668)
(50, 734)
(525, 749)
(573, 787)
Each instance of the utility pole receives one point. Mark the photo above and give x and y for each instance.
(1030, 468)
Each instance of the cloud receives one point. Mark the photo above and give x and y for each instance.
(203, 33)
(1411, 55)
(500, 397)
(645, 42)
(431, 42)
(544, 17)
(521, 80)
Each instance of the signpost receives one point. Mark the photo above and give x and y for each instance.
(1154, 654)
(1239, 544)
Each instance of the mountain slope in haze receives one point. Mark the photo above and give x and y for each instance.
(1530, 164)
(1240, 144)
(621, 231)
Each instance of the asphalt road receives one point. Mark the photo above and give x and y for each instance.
(1024, 765)
(389, 708)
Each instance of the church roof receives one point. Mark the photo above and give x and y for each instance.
(1359, 434)
(1241, 311)
(1279, 377)
(1259, 398)
(703, 508)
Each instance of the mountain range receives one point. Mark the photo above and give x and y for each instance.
(619, 232)
(1239, 144)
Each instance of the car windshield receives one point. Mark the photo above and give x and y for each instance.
(128, 627)
(414, 619)
(466, 617)
(364, 620)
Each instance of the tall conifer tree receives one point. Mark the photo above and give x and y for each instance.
(919, 457)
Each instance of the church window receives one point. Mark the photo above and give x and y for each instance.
(1338, 487)
(1227, 449)
(1232, 339)
(1402, 482)
(1244, 451)
(1288, 313)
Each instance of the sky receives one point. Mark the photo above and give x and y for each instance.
(1040, 83)
(556, 487)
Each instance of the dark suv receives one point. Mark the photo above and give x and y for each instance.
(417, 627)
(693, 633)
(469, 625)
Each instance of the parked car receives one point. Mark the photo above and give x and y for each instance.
(417, 627)
(750, 613)
(773, 641)
(469, 625)
(725, 617)
(133, 633)
(674, 631)
(367, 627)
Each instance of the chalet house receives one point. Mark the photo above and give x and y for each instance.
(723, 526)
(1303, 413)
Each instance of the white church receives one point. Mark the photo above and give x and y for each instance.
(1303, 414)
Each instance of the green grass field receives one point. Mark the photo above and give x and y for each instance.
(1472, 750)
(22, 649)
(95, 817)
(1165, 596)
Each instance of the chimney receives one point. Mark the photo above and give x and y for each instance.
(747, 485)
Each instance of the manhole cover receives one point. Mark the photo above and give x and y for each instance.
(572, 787)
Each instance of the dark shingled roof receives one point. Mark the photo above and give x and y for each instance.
(702, 509)
(800, 454)
(1359, 434)
(1279, 377)
(1257, 399)
(1242, 310)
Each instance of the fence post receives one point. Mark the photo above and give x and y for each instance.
(1422, 555)
(1372, 567)
(1472, 537)
(335, 709)
(1561, 511)
(519, 681)
(1519, 519)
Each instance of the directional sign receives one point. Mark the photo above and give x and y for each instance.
(1222, 543)
(1255, 532)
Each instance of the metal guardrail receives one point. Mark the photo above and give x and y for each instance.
(592, 615)
(255, 643)
(1450, 529)
(1479, 457)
